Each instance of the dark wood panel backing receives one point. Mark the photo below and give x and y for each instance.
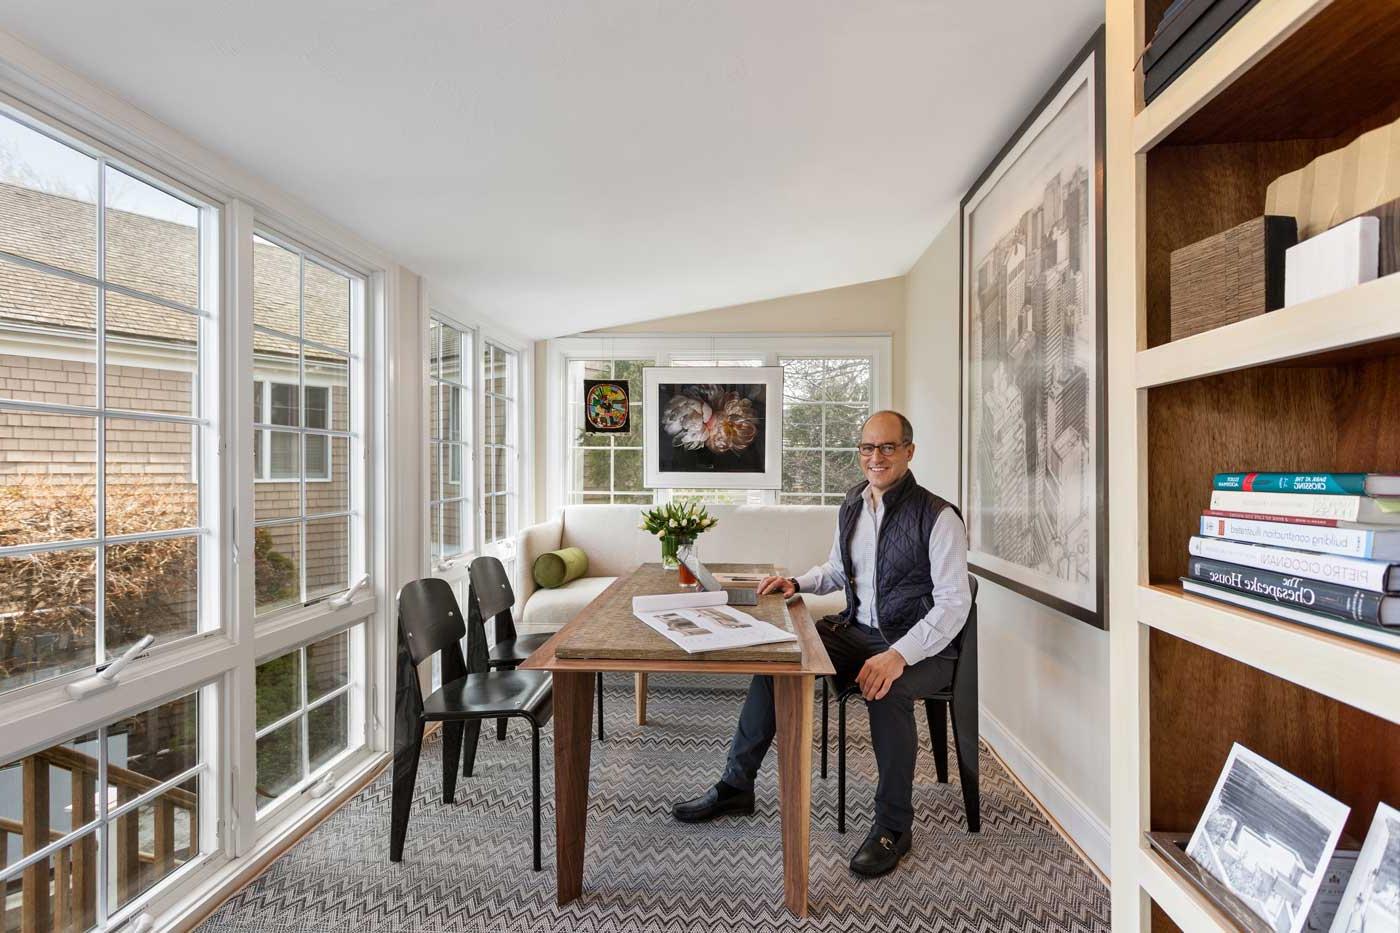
(1161, 923)
(1259, 419)
(1201, 703)
(1325, 80)
(1198, 191)
(1368, 398)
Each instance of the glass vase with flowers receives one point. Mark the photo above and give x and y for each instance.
(677, 523)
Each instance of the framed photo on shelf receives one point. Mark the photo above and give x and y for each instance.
(1033, 405)
(1268, 836)
(725, 432)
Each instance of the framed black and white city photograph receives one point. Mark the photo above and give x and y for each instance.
(1372, 897)
(1034, 411)
(1268, 835)
(725, 432)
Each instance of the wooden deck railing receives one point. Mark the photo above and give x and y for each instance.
(60, 893)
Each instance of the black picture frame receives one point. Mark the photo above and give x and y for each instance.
(1096, 613)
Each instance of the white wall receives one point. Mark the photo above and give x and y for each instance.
(1044, 676)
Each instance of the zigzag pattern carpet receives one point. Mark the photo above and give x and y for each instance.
(467, 867)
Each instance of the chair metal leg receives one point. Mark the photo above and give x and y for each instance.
(471, 735)
(405, 775)
(451, 756)
(824, 718)
(965, 738)
(535, 766)
(600, 706)
(841, 766)
(937, 713)
(501, 729)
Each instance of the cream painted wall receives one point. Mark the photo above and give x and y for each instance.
(1044, 676)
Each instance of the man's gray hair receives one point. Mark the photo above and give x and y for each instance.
(906, 430)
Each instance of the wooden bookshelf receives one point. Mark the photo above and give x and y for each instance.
(1309, 387)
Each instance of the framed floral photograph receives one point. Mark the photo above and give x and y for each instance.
(725, 432)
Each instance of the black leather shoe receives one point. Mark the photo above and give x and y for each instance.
(711, 804)
(880, 852)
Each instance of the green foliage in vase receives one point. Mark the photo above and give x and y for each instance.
(679, 519)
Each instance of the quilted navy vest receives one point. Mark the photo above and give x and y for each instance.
(903, 581)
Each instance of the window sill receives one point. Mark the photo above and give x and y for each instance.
(290, 628)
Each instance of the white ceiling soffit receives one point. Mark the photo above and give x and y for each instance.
(566, 165)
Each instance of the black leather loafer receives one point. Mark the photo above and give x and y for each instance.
(880, 852)
(710, 805)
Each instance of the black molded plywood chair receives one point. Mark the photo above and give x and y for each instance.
(493, 598)
(961, 697)
(430, 622)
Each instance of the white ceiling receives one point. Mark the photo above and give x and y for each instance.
(572, 164)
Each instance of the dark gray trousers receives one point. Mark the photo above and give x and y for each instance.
(893, 732)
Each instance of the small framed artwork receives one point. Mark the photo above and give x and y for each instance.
(1034, 409)
(725, 432)
(605, 407)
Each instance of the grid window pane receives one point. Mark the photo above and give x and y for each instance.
(450, 422)
(454, 528)
(48, 478)
(47, 187)
(48, 615)
(34, 303)
(317, 452)
(276, 287)
(327, 557)
(279, 762)
(284, 460)
(152, 239)
(327, 665)
(825, 402)
(150, 473)
(152, 588)
(278, 688)
(140, 377)
(277, 566)
(326, 731)
(151, 842)
(326, 306)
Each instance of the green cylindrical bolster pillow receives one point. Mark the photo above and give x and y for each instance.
(555, 568)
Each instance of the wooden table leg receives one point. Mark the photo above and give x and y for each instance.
(792, 699)
(640, 681)
(573, 745)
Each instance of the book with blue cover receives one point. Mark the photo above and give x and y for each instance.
(1333, 484)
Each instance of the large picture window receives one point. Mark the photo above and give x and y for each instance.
(825, 400)
(449, 440)
(303, 366)
(606, 468)
(499, 443)
(102, 317)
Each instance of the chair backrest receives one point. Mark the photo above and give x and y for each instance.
(429, 618)
(965, 667)
(492, 596)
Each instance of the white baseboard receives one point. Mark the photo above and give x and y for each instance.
(1086, 830)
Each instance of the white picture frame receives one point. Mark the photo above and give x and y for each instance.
(688, 443)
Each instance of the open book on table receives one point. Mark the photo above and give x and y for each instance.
(704, 622)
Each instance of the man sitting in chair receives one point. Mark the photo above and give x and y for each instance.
(901, 556)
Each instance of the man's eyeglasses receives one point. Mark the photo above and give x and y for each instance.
(887, 450)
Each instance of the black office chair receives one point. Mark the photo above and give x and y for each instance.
(961, 696)
(430, 622)
(493, 598)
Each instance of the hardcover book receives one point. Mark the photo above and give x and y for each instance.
(1375, 634)
(1375, 575)
(1342, 602)
(1337, 484)
(1309, 505)
(1370, 542)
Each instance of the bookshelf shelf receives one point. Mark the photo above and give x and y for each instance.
(1257, 33)
(1353, 672)
(1363, 318)
(1178, 897)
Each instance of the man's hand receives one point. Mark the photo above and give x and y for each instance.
(776, 585)
(879, 673)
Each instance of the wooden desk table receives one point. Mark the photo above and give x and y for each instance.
(606, 637)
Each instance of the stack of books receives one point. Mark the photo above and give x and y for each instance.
(1322, 549)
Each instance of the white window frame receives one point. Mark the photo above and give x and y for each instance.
(572, 493)
(468, 445)
(220, 662)
(503, 544)
(669, 349)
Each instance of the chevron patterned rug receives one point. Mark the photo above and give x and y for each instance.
(466, 867)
